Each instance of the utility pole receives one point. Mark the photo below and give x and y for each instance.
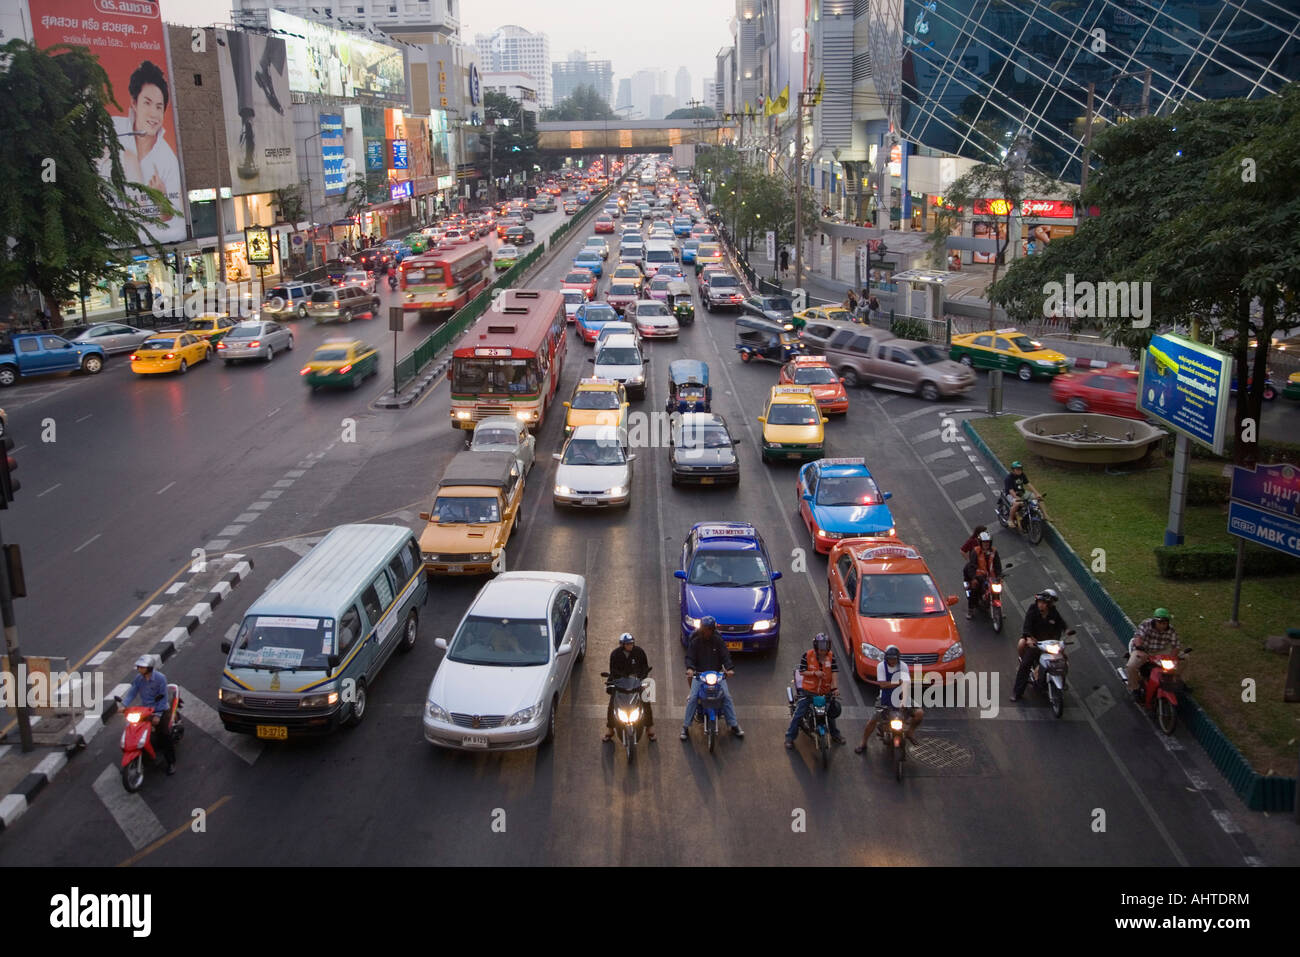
(492, 180)
(798, 190)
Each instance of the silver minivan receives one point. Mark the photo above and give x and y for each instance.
(309, 648)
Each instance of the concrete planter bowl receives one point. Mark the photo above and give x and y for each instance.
(1087, 438)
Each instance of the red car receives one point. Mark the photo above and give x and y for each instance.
(604, 224)
(620, 295)
(816, 372)
(583, 279)
(1110, 391)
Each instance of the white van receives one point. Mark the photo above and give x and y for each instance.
(657, 253)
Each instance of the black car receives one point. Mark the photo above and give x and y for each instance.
(775, 308)
(702, 451)
(519, 235)
(375, 259)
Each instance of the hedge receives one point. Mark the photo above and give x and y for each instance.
(1208, 489)
(1220, 561)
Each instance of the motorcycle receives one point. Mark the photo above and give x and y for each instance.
(1160, 686)
(710, 704)
(137, 737)
(815, 722)
(392, 280)
(1048, 675)
(991, 599)
(1029, 520)
(628, 711)
(895, 737)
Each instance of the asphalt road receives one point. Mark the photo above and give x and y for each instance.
(144, 472)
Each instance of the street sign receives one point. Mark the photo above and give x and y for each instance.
(771, 246)
(1273, 488)
(1265, 528)
(863, 259)
(396, 319)
(1185, 385)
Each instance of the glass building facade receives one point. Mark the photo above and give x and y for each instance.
(975, 71)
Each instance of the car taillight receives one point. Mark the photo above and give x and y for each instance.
(346, 368)
(134, 357)
(251, 345)
(336, 303)
(222, 345)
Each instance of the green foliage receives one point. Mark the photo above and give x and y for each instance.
(64, 221)
(752, 200)
(907, 328)
(288, 204)
(584, 103)
(1199, 562)
(514, 147)
(691, 113)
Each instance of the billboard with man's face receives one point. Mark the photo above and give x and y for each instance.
(259, 124)
(128, 40)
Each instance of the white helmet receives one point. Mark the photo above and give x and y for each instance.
(985, 537)
(144, 661)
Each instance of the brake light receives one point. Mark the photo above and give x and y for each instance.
(336, 303)
(346, 368)
(222, 345)
(170, 355)
(306, 370)
(255, 342)
(134, 357)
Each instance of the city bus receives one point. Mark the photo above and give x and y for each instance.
(510, 361)
(440, 281)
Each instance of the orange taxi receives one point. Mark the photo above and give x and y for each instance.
(882, 593)
(816, 372)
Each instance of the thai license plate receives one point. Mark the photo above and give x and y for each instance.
(273, 732)
(707, 480)
(735, 646)
(794, 455)
(455, 569)
(588, 501)
(473, 742)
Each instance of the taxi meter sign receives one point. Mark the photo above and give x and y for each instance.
(883, 552)
(844, 461)
(727, 531)
(790, 390)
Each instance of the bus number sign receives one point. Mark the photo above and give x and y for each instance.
(492, 352)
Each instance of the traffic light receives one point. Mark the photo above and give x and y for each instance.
(8, 484)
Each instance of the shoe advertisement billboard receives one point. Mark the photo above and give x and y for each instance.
(259, 126)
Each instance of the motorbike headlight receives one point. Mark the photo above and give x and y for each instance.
(319, 700)
(871, 651)
(629, 715)
(895, 724)
(711, 678)
(133, 719)
(232, 698)
(1167, 664)
(765, 624)
(953, 653)
(996, 587)
(1050, 647)
(437, 712)
(525, 716)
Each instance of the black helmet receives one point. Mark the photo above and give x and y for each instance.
(892, 652)
(821, 643)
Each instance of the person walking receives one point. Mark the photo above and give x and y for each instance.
(785, 260)
(851, 302)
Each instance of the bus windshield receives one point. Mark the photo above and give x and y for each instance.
(423, 275)
(481, 376)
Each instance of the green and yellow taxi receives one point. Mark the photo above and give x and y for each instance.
(1292, 389)
(1009, 350)
(819, 313)
(210, 326)
(506, 257)
(597, 401)
(707, 254)
(340, 363)
(793, 425)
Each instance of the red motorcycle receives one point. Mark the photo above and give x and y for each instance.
(137, 737)
(1160, 686)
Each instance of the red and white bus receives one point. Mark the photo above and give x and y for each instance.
(510, 361)
(439, 282)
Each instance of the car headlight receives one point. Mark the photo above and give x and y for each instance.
(953, 653)
(617, 490)
(462, 415)
(431, 556)
(1045, 362)
(952, 378)
(637, 380)
(765, 624)
(868, 650)
(563, 490)
(480, 557)
(233, 698)
(629, 715)
(437, 712)
(691, 623)
(525, 716)
(319, 700)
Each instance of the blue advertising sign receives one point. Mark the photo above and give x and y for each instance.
(332, 153)
(1257, 525)
(1185, 385)
(399, 154)
(1274, 488)
(375, 156)
(400, 190)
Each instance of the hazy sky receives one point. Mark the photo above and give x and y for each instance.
(662, 35)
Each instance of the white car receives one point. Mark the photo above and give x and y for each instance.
(573, 298)
(455, 237)
(359, 277)
(507, 665)
(598, 244)
(618, 328)
(652, 319)
(595, 468)
(504, 433)
(619, 357)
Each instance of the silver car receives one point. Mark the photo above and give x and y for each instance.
(504, 433)
(258, 339)
(507, 665)
(112, 336)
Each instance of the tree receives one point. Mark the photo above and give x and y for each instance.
(691, 113)
(67, 226)
(288, 204)
(584, 103)
(514, 147)
(361, 192)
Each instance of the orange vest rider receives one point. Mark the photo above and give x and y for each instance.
(984, 561)
(817, 677)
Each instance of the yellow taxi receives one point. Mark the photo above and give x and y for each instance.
(169, 352)
(210, 326)
(597, 402)
(707, 254)
(341, 363)
(628, 272)
(1009, 350)
(817, 313)
(793, 425)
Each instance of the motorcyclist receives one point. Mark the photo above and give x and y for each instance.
(392, 278)
(973, 542)
(1013, 489)
(705, 651)
(817, 669)
(1043, 622)
(982, 562)
(891, 674)
(150, 687)
(1154, 636)
(628, 661)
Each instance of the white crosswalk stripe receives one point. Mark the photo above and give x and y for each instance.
(140, 825)
(201, 715)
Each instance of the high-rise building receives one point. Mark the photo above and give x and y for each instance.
(661, 104)
(682, 86)
(430, 20)
(709, 94)
(577, 71)
(512, 49)
(624, 99)
(645, 84)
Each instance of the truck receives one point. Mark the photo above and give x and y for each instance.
(684, 156)
(41, 353)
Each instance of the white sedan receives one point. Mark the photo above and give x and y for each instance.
(652, 319)
(507, 665)
(595, 468)
(504, 433)
(359, 277)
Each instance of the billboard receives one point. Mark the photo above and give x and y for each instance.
(333, 154)
(1185, 385)
(325, 61)
(128, 40)
(255, 96)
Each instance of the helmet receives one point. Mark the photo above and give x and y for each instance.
(1016, 465)
(626, 638)
(821, 642)
(708, 621)
(891, 652)
(1047, 594)
(1161, 614)
(144, 661)
(985, 537)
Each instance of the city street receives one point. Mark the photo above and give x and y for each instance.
(124, 477)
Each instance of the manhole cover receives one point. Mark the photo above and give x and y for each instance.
(948, 752)
(941, 754)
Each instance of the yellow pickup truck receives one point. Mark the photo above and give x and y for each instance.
(475, 510)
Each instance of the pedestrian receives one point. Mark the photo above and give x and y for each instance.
(873, 308)
(851, 302)
(148, 297)
(785, 260)
(128, 288)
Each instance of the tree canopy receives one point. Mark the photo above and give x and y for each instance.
(584, 103)
(691, 113)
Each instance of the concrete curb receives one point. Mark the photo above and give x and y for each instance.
(1097, 363)
(15, 804)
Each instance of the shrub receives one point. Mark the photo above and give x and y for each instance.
(1220, 561)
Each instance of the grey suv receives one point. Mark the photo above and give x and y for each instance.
(342, 303)
(288, 301)
(865, 356)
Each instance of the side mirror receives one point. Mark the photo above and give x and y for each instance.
(680, 574)
(592, 360)
(762, 419)
(566, 647)
(824, 420)
(952, 600)
(424, 517)
(775, 575)
(225, 647)
(440, 643)
(806, 496)
(567, 405)
(632, 457)
(886, 496)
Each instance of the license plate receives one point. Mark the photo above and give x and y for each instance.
(794, 455)
(735, 646)
(455, 569)
(707, 480)
(473, 742)
(273, 732)
(588, 501)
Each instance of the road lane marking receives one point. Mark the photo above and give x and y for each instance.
(84, 544)
(230, 531)
(917, 413)
(149, 612)
(953, 477)
(217, 544)
(259, 506)
(50, 489)
(174, 588)
(273, 494)
(164, 488)
(295, 473)
(130, 630)
(82, 419)
(168, 838)
(976, 499)
(247, 517)
(203, 716)
(272, 412)
(283, 483)
(140, 825)
(926, 436)
(935, 456)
